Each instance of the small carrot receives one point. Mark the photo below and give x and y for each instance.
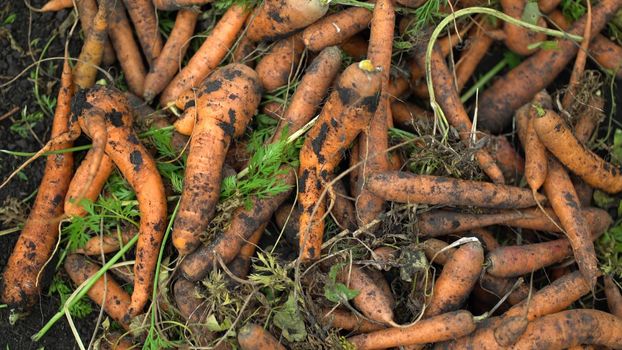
(274, 110)
(105, 292)
(407, 115)
(559, 140)
(336, 28)
(342, 319)
(499, 287)
(404, 187)
(355, 47)
(502, 98)
(56, 5)
(126, 48)
(435, 251)
(278, 66)
(287, 219)
(107, 243)
(398, 86)
(589, 118)
(275, 19)
(519, 39)
(143, 15)
(93, 49)
(443, 222)
(343, 211)
(447, 326)
(243, 52)
(458, 278)
(479, 43)
(244, 223)
(486, 237)
(87, 10)
(208, 56)
(241, 264)
(21, 280)
(614, 298)
(254, 337)
(167, 63)
(226, 103)
(507, 158)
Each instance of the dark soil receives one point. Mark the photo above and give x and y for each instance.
(14, 60)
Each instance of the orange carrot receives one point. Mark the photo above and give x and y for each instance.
(171, 5)
(274, 19)
(278, 66)
(355, 47)
(21, 280)
(105, 292)
(107, 243)
(443, 222)
(435, 251)
(145, 21)
(72, 205)
(589, 118)
(447, 326)
(209, 55)
(241, 264)
(479, 43)
(614, 298)
(87, 10)
(93, 49)
(126, 48)
(511, 163)
(253, 337)
(342, 319)
(343, 211)
(546, 6)
(499, 287)
(408, 115)
(164, 67)
(56, 5)
(404, 187)
(336, 28)
(518, 39)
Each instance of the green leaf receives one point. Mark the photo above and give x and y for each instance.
(214, 326)
(512, 58)
(289, 319)
(335, 291)
(545, 45)
(616, 148)
(603, 200)
(531, 13)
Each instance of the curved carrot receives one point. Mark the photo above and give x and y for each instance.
(404, 187)
(226, 102)
(107, 243)
(443, 222)
(227, 245)
(518, 39)
(277, 66)
(139, 169)
(105, 292)
(458, 278)
(253, 337)
(372, 299)
(21, 283)
(408, 115)
(343, 319)
(87, 11)
(209, 55)
(56, 5)
(126, 48)
(447, 326)
(275, 19)
(535, 152)
(336, 28)
(559, 140)
(502, 98)
(454, 110)
(145, 21)
(93, 49)
(614, 298)
(164, 67)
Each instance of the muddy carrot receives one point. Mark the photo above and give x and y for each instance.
(168, 62)
(355, 47)
(192, 305)
(433, 249)
(56, 5)
(107, 243)
(87, 10)
(21, 284)
(254, 337)
(116, 341)
(343, 319)
(479, 43)
(275, 19)
(93, 49)
(499, 287)
(343, 211)
(408, 115)
(209, 55)
(443, 222)
(507, 158)
(589, 118)
(614, 298)
(171, 5)
(534, 219)
(518, 39)
(336, 28)
(404, 187)
(145, 21)
(502, 98)
(372, 300)
(105, 292)
(278, 66)
(241, 264)
(546, 6)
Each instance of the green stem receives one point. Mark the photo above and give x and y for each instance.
(91, 281)
(484, 80)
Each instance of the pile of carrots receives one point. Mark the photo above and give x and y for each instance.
(413, 284)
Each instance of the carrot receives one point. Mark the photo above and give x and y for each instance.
(517, 87)
(546, 6)
(355, 47)
(310, 91)
(344, 115)
(507, 158)
(336, 28)
(87, 10)
(443, 222)
(407, 115)
(454, 110)
(614, 298)
(116, 341)
(244, 49)
(479, 43)
(278, 66)
(107, 243)
(342, 319)
(21, 284)
(287, 219)
(570, 328)
(192, 306)
(254, 337)
(139, 169)
(589, 118)
(433, 249)
(241, 264)
(458, 278)
(56, 5)
(534, 219)
(274, 110)
(172, 5)
(499, 287)
(126, 48)
(105, 292)
(72, 205)
(164, 67)
(95, 40)
(275, 19)
(486, 237)
(226, 102)
(226, 246)
(559, 140)
(343, 211)
(447, 326)
(404, 187)
(398, 86)
(374, 140)
(518, 39)
(145, 21)
(372, 299)
(208, 56)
